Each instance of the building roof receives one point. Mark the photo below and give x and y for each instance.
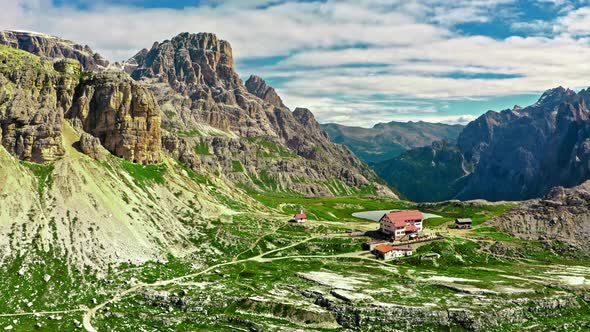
(463, 221)
(411, 228)
(399, 218)
(384, 248)
(300, 216)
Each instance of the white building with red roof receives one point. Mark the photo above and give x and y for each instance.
(387, 251)
(300, 217)
(401, 223)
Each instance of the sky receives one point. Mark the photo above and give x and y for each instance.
(354, 62)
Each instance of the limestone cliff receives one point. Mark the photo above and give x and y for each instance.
(121, 113)
(53, 47)
(34, 95)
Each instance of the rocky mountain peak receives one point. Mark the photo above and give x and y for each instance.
(187, 60)
(53, 47)
(258, 87)
(553, 97)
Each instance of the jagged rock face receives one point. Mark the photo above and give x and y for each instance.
(193, 78)
(523, 153)
(563, 214)
(122, 114)
(53, 47)
(34, 94)
(201, 68)
(258, 87)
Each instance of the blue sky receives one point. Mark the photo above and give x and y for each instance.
(356, 62)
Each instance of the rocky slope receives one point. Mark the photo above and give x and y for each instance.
(53, 47)
(121, 113)
(388, 140)
(522, 153)
(563, 214)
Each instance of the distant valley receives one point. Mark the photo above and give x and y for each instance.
(385, 141)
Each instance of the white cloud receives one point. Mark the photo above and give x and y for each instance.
(410, 48)
(575, 23)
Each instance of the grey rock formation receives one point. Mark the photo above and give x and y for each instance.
(523, 153)
(563, 214)
(34, 95)
(258, 87)
(519, 153)
(193, 78)
(53, 47)
(122, 114)
(91, 146)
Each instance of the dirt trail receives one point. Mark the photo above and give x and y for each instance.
(42, 313)
(87, 319)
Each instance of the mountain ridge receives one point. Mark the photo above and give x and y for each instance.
(388, 140)
(523, 152)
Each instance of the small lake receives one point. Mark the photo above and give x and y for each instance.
(376, 215)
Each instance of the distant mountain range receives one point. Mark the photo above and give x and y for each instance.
(388, 140)
(514, 154)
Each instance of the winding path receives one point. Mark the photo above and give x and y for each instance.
(87, 320)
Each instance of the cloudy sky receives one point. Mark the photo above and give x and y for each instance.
(355, 62)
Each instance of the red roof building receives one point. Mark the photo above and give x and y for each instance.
(384, 248)
(300, 217)
(386, 251)
(399, 223)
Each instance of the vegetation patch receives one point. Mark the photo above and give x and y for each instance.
(236, 166)
(268, 148)
(202, 148)
(145, 174)
(43, 174)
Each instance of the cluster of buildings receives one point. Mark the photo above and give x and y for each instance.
(398, 226)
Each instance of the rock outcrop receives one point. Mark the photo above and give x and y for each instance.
(122, 114)
(563, 214)
(34, 95)
(258, 87)
(53, 47)
(91, 146)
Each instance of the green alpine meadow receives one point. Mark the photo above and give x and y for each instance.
(352, 184)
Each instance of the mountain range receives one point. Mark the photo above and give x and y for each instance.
(385, 141)
(157, 194)
(91, 134)
(515, 154)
